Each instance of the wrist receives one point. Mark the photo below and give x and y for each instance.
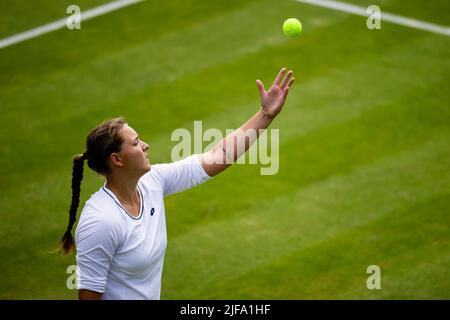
(266, 115)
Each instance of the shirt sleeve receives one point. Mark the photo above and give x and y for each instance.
(180, 175)
(96, 242)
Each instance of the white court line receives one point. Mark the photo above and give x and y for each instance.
(59, 24)
(385, 16)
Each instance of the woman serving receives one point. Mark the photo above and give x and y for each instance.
(121, 235)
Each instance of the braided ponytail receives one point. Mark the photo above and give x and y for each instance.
(100, 143)
(67, 241)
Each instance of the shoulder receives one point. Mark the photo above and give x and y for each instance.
(152, 180)
(160, 170)
(159, 173)
(100, 216)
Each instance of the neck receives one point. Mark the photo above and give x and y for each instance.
(124, 189)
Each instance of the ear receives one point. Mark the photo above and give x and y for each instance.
(115, 159)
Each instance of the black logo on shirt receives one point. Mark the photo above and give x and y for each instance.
(152, 211)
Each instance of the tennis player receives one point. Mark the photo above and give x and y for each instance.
(121, 234)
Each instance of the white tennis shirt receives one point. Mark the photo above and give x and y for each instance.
(120, 255)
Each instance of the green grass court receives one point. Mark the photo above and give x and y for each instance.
(364, 173)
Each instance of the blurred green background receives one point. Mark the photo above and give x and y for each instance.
(364, 173)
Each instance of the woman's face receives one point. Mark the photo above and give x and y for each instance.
(133, 156)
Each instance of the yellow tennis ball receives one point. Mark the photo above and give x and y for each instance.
(292, 27)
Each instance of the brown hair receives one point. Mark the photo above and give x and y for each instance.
(100, 143)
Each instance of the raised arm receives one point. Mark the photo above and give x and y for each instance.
(230, 148)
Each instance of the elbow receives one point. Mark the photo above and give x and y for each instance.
(214, 161)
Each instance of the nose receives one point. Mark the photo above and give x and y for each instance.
(145, 146)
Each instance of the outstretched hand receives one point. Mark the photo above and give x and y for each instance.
(272, 101)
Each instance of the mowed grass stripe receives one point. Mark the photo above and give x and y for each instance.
(18, 16)
(313, 214)
(83, 15)
(434, 11)
(152, 62)
(44, 229)
(371, 123)
(409, 244)
(226, 181)
(379, 132)
(47, 137)
(42, 107)
(160, 144)
(163, 106)
(106, 35)
(385, 16)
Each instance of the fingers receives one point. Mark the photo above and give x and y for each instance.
(279, 76)
(260, 86)
(291, 81)
(286, 89)
(286, 79)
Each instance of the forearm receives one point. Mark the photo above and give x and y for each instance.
(234, 145)
(239, 141)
